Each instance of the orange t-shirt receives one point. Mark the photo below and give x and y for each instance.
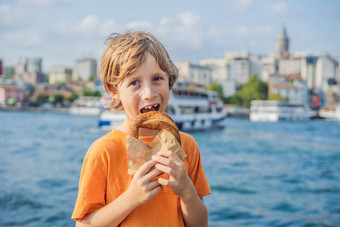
(104, 177)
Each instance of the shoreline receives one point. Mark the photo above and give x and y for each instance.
(36, 109)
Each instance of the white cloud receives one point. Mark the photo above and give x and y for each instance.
(43, 2)
(107, 27)
(5, 14)
(241, 31)
(184, 29)
(189, 19)
(263, 31)
(88, 24)
(280, 8)
(23, 38)
(239, 5)
(140, 25)
(36, 2)
(5, 8)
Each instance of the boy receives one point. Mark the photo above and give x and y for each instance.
(138, 73)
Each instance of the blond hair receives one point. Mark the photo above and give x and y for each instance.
(125, 53)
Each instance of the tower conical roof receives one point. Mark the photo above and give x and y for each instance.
(283, 33)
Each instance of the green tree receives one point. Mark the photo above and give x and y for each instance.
(91, 78)
(277, 97)
(236, 100)
(216, 87)
(254, 89)
(72, 97)
(58, 98)
(42, 98)
(89, 92)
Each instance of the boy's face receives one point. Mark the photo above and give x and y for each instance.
(144, 90)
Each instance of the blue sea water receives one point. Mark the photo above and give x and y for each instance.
(261, 174)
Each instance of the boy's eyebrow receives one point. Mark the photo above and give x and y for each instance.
(131, 77)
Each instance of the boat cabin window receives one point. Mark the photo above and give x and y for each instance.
(194, 109)
(190, 94)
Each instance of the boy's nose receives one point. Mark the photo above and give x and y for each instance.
(148, 92)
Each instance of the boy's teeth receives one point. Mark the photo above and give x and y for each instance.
(149, 108)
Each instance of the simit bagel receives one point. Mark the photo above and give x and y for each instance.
(154, 120)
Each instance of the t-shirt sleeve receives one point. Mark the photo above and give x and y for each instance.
(196, 171)
(92, 183)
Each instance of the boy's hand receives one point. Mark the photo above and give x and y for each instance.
(142, 187)
(179, 181)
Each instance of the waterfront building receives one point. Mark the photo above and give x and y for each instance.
(10, 94)
(60, 75)
(9, 71)
(194, 73)
(34, 65)
(315, 69)
(333, 94)
(269, 66)
(85, 70)
(325, 71)
(26, 70)
(296, 91)
(290, 65)
(29, 65)
(21, 66)
(234, 69)
(32, 78)
(218, 67)
(238, 66)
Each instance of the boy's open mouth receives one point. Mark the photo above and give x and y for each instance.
(154, 107)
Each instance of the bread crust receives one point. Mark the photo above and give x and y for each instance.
(154, 120)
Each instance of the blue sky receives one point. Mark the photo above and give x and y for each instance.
(63, 31)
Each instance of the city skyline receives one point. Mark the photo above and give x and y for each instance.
(61, 32)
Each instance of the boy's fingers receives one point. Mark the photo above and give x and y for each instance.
(152, 174)
(161, 159)
(145, 168)
(156, 190)
(164, 153)
(163, 182)
(166, 169)
(171, 155)
(153, 184)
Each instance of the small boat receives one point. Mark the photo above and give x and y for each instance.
(331, 113)
(86, 105)
(272, 111)
(110, 119)
(191, 107)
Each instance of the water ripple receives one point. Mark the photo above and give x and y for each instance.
(225, 189)
(281, 174)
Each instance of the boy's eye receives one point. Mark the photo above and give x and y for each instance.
(134, 83)
(157, 78)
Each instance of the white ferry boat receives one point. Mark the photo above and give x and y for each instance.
(86, 105)
(190, 107)
(330, 113)
(267, 110)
